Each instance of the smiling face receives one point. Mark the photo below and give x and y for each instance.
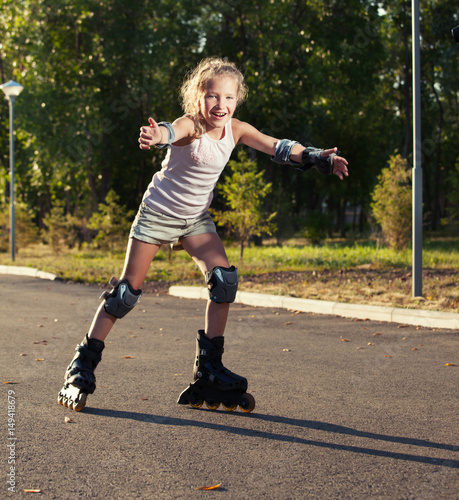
(219, 102)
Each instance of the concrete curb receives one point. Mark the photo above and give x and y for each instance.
(417, 317)
(27, 271)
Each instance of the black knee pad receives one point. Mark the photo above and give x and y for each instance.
(222, 282)
(122, 299)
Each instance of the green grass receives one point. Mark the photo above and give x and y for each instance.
(342, 255)
(93, 266)
(343, 271)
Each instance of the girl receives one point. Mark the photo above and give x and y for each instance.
(174, 210)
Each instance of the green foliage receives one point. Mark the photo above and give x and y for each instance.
(453, 198)
(62, 228)
(94, 70)
(26, 232)
(112, 223)
(392, 203)
(244, 192)
(318, 225)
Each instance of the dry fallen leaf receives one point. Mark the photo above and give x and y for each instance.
(31, 491)
(68, 420)
(451, 364)
(208, 488)
(345, 340)
(286, 350)
(40, 359)
(387, 356)
(288, 323)
(374, 334)
(127, 357)
(13, 383)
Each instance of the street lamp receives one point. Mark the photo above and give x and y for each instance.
(417, 154)
(11, 90)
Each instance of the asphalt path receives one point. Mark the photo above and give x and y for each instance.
(344, 408)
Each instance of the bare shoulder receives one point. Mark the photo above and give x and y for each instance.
(240, 130)
(184, 130)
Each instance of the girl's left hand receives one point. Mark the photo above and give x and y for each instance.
(339, 163)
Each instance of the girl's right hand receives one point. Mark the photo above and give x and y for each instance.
(149, 136)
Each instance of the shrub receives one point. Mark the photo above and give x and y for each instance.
(244, 190)
(61, 228)
(318, 224)
(26, 232)
(453, 197)
(112, 223)
(392, 202)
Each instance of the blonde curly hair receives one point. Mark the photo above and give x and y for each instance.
(195, 86)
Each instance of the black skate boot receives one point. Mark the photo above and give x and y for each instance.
(79, 377)
(213, 383)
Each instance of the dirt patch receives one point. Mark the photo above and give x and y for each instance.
(387, 287)
(383, 287)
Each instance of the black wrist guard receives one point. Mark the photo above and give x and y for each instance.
(311, 158)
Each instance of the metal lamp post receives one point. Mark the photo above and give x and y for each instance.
(417, 155)
(11, 90)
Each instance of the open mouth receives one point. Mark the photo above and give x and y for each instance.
(219, 115)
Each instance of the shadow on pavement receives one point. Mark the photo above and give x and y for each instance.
(308, 424)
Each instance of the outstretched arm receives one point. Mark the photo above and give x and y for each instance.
(247, 134)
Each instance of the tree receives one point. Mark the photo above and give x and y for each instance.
(244, 191)
(392, 203)
(112, 222)
(94, 70)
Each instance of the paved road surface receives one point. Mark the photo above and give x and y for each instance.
(336, 417)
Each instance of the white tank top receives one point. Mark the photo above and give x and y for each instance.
(184, 186)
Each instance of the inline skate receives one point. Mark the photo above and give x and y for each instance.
(213, 383)
(79, 377)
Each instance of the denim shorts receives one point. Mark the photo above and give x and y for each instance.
(157, 228)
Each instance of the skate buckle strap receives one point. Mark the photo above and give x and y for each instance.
(93, 356)
(212, 352)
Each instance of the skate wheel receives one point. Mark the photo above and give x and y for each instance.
(196, 404)
(194, 401)
(229, 407)
(248, 403)
(211, 405)
(60, 399)
(80, 403)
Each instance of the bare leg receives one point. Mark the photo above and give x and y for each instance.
(207, 251)
(138, 259)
